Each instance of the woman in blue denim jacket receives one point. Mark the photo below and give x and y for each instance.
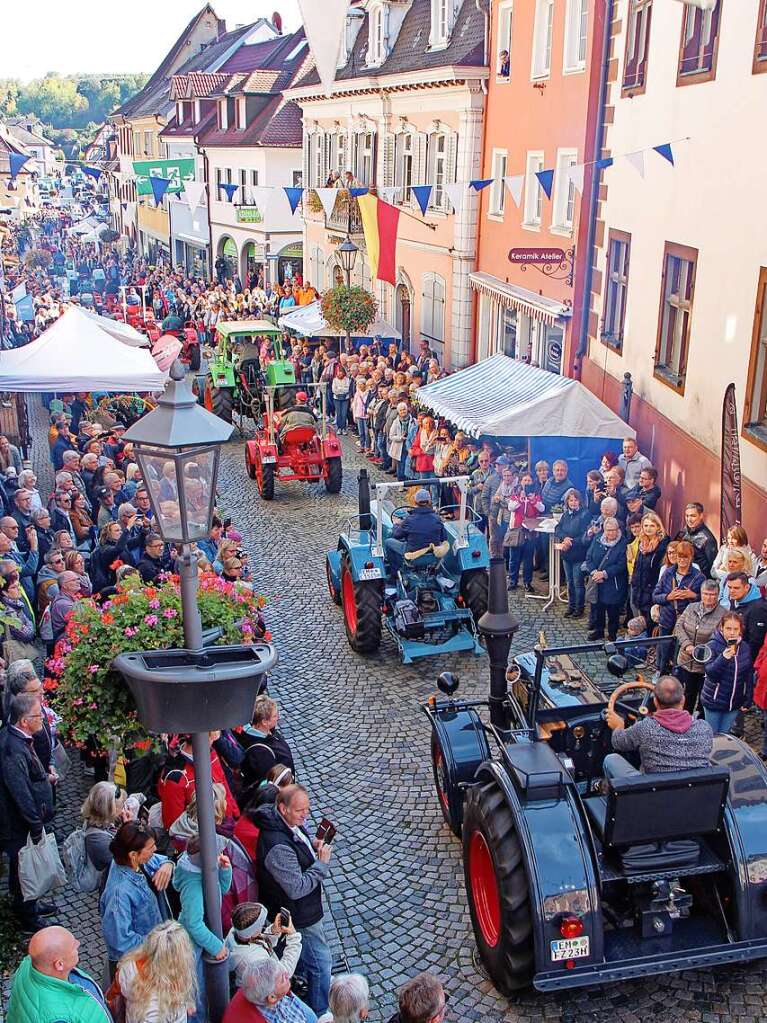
(133, 900)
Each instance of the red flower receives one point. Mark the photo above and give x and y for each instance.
(116, 564)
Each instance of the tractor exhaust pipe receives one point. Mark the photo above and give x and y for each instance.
(366, 521)
(498, 626)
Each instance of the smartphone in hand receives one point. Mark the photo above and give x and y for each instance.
(326, 831)
(283, 917)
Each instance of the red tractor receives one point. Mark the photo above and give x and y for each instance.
(307, 453)
(144, 320)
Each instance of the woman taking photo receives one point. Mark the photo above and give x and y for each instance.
(569, 542)
(102, 814)
(133, 900)
(158, 979)
(677, 587)
(728, 685)
(112, 547)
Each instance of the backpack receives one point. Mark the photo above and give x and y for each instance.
(83, 875)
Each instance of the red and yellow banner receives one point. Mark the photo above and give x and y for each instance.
(380, 222)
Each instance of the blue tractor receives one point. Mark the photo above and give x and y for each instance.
(573, 879)
(429, 606)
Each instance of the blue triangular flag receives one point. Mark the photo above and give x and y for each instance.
(666, 152)
(294, 197)
(479, 184)
(159, 187)
(357, 192)
(546, 180)
(604, 164)
(92, 172)
(230, 188)
(124, 206)
(17, 161)
(422, 195)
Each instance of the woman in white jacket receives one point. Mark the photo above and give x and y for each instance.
(737, 539)
(248, 942)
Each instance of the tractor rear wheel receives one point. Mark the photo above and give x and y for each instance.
(195, 358)
(497, 888)
(335, 596)
(222, 401)
(442, 784)
(474, 587)
(361, 602)
(265, 480)
(334, 477)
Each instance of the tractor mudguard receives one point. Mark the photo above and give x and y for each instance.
(331, 447)
(268, 452)
(746, 826)
(333, 559)
(559, 858)
(476, 555)
(364, 565)
(460, 737)
(221, 374)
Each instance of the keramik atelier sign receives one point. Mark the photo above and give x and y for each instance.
(536, 255)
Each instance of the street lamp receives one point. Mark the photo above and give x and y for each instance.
(178, 446)
(347, 256)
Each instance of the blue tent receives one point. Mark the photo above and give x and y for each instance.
(503, 398)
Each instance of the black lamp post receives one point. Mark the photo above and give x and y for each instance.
(347, 255)
(177, 446)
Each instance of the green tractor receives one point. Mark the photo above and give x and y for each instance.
(235, 379)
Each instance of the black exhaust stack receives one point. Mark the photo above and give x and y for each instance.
(498, 626)
(366, 521)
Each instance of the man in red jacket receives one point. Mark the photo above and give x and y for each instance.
(265, 997)
(176, 785)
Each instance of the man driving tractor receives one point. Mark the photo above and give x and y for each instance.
(421, 531)
(669, 740)
(299, 414)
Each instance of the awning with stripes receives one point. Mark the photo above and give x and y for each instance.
(537, 306)
(501, 397)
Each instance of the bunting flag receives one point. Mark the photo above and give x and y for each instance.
(294, 197)
(357, 192)
(159, 187)
(637, 161)
(514, 183)
(123, 206)
(455, 194)
(380, 222)
(130, 213)
(193, 193)
(575, 175)
(422, 195)
(324, 24)
(666, 152)
(92, 172)
(262, 196)
(16, 161)
(546, 181)
(327, 197)
(230, 188)
(604, 164)
(18, 292)
(388, 193)
(479, 184)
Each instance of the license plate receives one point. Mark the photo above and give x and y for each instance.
(569, 948)
(370, 573)
(268, 460)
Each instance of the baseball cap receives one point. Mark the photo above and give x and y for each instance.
(422, 496)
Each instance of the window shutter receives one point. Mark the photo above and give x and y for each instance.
(419, 162)
(354, 154)
(431, 162)
(451, 167)
(399, 142)
(307, 154)
(387, 176)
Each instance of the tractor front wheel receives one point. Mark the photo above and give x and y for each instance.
(474, 588)
(334, 476)
(249, 466)
(498, 889)
(222, 402)
(361, 602)
(195, 358)
(265, 480)
(443, 785)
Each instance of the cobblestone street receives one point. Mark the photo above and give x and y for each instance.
(396, 895)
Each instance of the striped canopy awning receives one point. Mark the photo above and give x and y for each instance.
(548, 310)
(501, 397)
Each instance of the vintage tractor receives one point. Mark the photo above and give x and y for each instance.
(235, 379)
(575, 879)
(429, 606)
(306, 453)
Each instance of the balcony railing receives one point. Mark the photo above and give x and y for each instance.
(344, 218)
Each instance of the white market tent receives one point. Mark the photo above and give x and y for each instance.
(308, 321)
(501, 397)
(77, 354)
(118, 329)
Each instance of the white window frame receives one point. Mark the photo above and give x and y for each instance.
(576, 36)
(542, 39)
(404, 155)
(564, 193)
(431, 282)
(442, 22)
(533, 204)
(499, 168)
(505, 32)
(438, 165)
(377, 35)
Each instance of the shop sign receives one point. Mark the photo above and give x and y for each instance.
(249, 215)
(178, 172)
(536, 256)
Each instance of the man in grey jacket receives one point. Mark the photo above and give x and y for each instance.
(694, 627)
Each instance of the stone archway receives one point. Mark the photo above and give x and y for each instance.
(228, 255)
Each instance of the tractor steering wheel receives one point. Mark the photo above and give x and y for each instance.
(615, 701)
(401, 511)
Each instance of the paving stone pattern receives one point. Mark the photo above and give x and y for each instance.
(396, 895)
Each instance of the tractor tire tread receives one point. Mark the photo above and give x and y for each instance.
(367, 636)
(335, 476)
(474, 590)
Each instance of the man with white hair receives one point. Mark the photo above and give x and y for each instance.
(265, 997)
(349, 998)
(72, 463)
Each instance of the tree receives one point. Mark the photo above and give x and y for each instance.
(348, 310)
(53, 99)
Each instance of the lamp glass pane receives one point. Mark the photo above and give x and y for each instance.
(182, 490)
(198, 490)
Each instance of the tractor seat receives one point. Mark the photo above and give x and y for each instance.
(653, 821)
(298, 435)
(427, 557)
(249, 370)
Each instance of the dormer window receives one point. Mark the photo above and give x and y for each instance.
(379, 17)
(184, 111)
(442, 23)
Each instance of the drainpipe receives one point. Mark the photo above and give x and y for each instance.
(211, 271)
(599, 139)
(487, 13)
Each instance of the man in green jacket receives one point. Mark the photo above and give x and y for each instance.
(48, 987)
